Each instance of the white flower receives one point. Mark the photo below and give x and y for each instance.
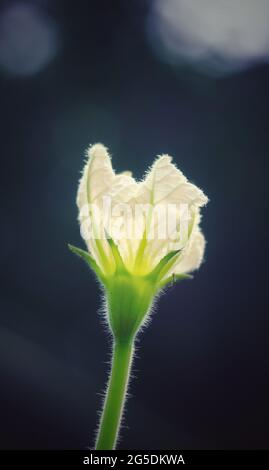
(164, 186)
(140, 235)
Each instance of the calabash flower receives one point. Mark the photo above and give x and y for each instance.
(140, 237)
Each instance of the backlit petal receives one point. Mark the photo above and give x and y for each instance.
(192, 256)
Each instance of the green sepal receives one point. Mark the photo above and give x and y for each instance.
(88, 259)
(173, 279)
(163, 266)
(116, 253)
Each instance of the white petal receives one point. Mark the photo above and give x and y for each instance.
(192, 256)
(124, 189)
(123, 195)
(95, 183)
(97, 177)
(126, 173)
(166, 184)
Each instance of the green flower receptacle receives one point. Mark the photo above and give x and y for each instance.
(129, 300)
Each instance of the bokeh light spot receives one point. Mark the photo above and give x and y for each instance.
(219, 36)
(29, 39)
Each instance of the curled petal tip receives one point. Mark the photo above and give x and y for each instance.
(97, 150)
(164, 157)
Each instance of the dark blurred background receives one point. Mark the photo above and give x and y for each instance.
(123, 73)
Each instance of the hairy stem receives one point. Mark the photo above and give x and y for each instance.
(115, 395)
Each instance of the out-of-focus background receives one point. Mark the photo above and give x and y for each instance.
(184, 77)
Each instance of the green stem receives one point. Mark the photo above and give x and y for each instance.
(115, 395)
